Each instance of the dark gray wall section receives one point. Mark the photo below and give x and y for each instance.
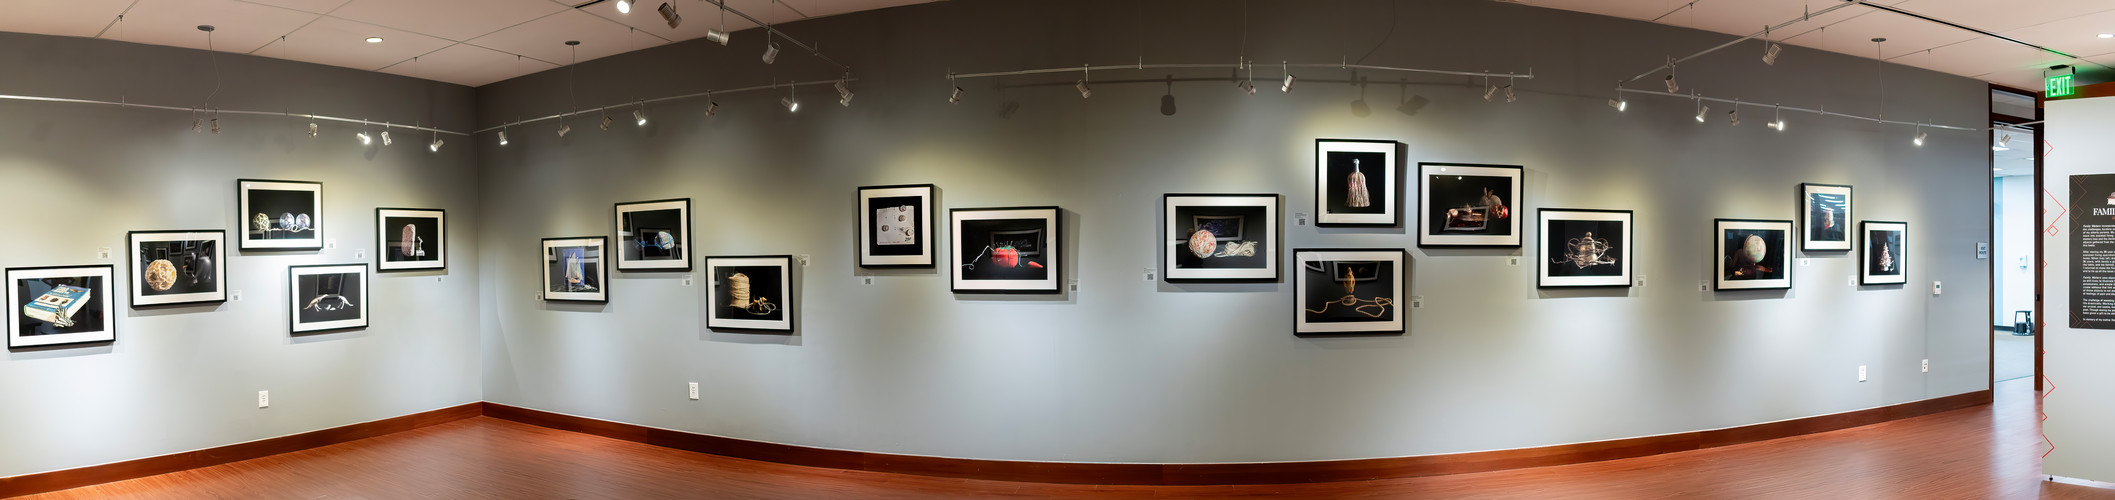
(185, 378)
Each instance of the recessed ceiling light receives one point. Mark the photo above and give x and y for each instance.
(374, 39)
(2107, 35)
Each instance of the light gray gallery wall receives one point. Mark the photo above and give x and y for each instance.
(1129, 370)
(2076, 358)
(186, 377)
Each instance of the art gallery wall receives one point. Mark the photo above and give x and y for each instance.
(2076, 358)
(183, 378)
(1127, 369)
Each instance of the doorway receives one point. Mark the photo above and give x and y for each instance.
(2015, 154)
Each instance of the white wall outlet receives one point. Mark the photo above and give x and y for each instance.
(102, 253)
(803, 259)
(693, 391)
(360, 254)
(1512, 261)
(330, 243)
(1927, 366)
(1861, 373)
(686, 280)
(234, 295)
(264, 399)
(1300, 218)
(1149, 274)
(1417, 301)
(1806, 261)
(1935, 290)
(866, 280)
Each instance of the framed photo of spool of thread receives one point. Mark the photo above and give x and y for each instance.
(1005, 250)
(1469, 205)
(1350, 291)
(411, 239)
(177, 267)
(1355, 182)
(1219, 237)
(750, 293)
(575, 269)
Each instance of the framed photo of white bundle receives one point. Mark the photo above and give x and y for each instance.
(1355, 182)
(750, 293)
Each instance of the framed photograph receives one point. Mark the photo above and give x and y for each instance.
(1582, 247)
(896, 226)
(410, 239)
(1219, 237)
(1754, 254)
(653, 235)
(573, 270)
(280, 215)
(1006, 250)
(1825, 220)
(1468, 205)
(750, 293)
(326, 297)
(177, 267)
(1350, 290)
(60, 305)
(1885, 254)
(1355, 182)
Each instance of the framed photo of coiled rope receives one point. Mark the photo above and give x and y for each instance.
(411, 239)
(750, 293)
(896, 226)
(1355, 182)
(326, 297)
(1219, 237)
(1885, 255)
(1350, 291)
(653, 235)
(1582, 247)
(574, 269)
(1006, 250)
(1469, 205)
(177, 267)
(279, 215)
(50, 306)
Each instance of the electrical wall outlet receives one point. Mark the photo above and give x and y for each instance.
(1927, 366)
(1861, 373)
(264, 399)
(693, 391)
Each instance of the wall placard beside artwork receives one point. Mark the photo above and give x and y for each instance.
(1463, 204)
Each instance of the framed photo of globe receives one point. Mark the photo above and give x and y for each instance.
(653, 235)
(896, 226)
(279, 215)
(1754, 254)
(177, 267)
(1825, 215)
(411, 239)
(1219, 237)
(1582, 247)
(1885, 255)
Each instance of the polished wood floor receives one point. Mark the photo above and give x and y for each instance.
(1983, 452)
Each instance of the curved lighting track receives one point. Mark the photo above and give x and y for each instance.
(1530, 75)
(776, 86)
(1823, 111)
(122, 104)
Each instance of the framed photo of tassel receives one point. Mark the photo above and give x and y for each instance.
(1219, 237)
(653, 235)
(1006, 250)
(1355, 182)
(1468, 205)
(1350, 291)
(750, 293)
(574, 269)
(1885, 253)
(896, 226)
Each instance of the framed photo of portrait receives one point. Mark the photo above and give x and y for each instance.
(574, 269)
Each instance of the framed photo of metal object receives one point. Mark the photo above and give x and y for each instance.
(1355, 182)
(50, 306)
(1583, 247)
(411, 239)
(326, 297)
(177, 267)
(654, 235)
(1825, 217)
(1219, 237)
(1884, 257)
(1468, 205)
(574, 269)
(896, 226)
(1350, 291)
(1006, 250)
(750, 293)
(279, 215)
(1754, 254)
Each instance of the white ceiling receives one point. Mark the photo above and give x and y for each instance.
(2071, 26)
(467, 42)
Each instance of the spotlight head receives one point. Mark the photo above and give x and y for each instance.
(564, 129)
(311, 129)
(791, 105)
(717, 36)
(434, 146)
(770, 53)
(1488, 91)
(606, 121)
(1779, 124)
(1509, 97)
(1733, 116)
(385, 138)
(2004, 143)
(955, 97)
(1247, 86)
(1770, 53)
(198, 124)
(1619, 104)
(668, 13)
(502, 137)
(1700, 112)
(712, 108)
(216, 125)
(844, 93)
(640, 116)
(1287, 86)
(1084, 91)
(624, 6)
(1919, 140)
(364, 138)
(1671, 86)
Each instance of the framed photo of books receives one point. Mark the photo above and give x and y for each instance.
(1355, 182)
(411, 239)
(750, 293)
(326, 297)
(177, 267)
(653, 235)
(51, 306)
(280, 215)
(574, 269)
(896, 226)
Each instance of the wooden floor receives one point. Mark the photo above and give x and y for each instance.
(1984, 452)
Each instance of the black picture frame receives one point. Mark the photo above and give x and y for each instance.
(592, 285)
(1891, 265)
(1336, 205)
(871, 252)
(199, 256)
(255, 199)
(769, 314)
(1766, 268)
(324, 306)
(1255, 217)
(1441, 224)
(1313, 315)
(964, 275)
(1820, 229)
(97, 311)
(1577, 265)
(390, 244)
(627, 244)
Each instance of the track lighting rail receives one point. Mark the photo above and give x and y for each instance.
(812, 50)
(1737, 41)
(1530, 75)
(775, 86)
(1823, 112)
(122, 104)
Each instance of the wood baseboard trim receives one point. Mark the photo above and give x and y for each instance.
(46, 482)
(1233, 473)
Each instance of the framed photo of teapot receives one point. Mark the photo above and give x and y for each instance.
(177, 267)
(411, 239)
(1582, 247)
(1468, 205)
(1006, 250)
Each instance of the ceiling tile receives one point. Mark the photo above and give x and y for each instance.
(1643, 11)
(1982, 55)
(84, 18)
(467, 65)
(2002, 17)
(456, 20)
(545, 38)
(309, 6)
(339, 42)
(2076, 35)
(697, 18)
(241, 27)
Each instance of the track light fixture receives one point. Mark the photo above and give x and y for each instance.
(791, 103)
(639, 115)
(385, 136)
(624, 6)
(1770, 53)
(1701, 110)
(1509, 97)
(719, 35)
(1287, 86)
(1618, 101)
(198, 123)
(844, 93)
(503, 136)
(1778, 118)
(1671, 85)
(215, 122)
(1920, 135)
(364, 138)
(956, 96)
(435, 146)
(2004, 143)
(312, 127)
(712, 107)
(1488, 90)
(1733, 116)
(668, 13)
(1082, 84)
(564, 129)
(770, 52)
(606, 121)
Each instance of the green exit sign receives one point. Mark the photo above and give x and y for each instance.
(2059, 86)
